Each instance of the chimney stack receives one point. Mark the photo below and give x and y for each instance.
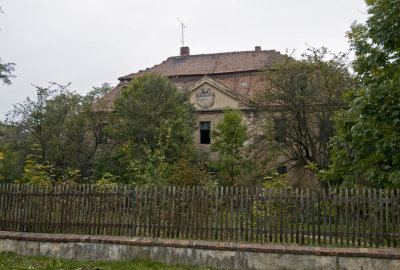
(258, 48)
(185, 51)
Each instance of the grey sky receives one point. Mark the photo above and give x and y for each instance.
(88, 42)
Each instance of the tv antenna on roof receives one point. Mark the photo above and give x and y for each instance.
(183, 37)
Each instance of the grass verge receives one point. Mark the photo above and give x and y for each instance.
(9, 260)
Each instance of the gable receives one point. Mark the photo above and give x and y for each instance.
(208, 95)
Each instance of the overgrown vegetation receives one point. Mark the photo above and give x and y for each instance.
(301, 97)
(353, 141)
(52, 137)
(152, 127)
(366, 151)
(229, 137)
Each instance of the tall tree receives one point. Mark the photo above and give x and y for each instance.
(228, 139)
(153, 125)
(367, 148)
(301, 97)
(63, 126)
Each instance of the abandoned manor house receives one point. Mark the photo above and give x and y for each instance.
(215, 81)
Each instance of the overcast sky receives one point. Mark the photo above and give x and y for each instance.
(89, 42)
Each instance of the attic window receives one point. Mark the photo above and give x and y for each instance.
(244, 83)
(205, 128)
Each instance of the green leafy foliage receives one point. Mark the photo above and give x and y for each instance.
(228, 139)
(107, 179)
(152, 125)
(36, 171)
(62, 124)
(366, 150)
(275, 180)
(189, 171)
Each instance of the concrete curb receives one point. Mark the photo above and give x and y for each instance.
(384, 253)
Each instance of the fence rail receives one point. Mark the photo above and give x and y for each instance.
(344, 217)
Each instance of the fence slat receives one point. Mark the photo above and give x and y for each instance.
(381, 212)
(277, 204)
(329, 216)
(222, 214)
(398, 214)
(370, 219)
(294, 216)
(257, 215)
(358, 211)
(324, 215)
(231, 200)
(2, 207)
(318, 218)
(387, 218)
(250, 209)
(237, 204)
(197, 212)
(376, 217)
(364, 218)
(125, 214)
(246, 201)
(393, 216)
(206, 206)
(241, 214)
(227, 231)
(346, 215)
(178, 213)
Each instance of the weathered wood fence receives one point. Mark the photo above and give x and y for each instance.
(344, 217)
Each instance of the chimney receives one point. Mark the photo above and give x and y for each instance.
(185, 51)
(258, 48)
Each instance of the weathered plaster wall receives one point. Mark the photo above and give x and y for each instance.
(220, 100)
(200, 253)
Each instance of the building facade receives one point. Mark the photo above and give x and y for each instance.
(215, 81)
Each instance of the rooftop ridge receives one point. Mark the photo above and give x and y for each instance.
(193, 57)
(202, 54)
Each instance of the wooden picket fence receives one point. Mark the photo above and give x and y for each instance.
(342, 217)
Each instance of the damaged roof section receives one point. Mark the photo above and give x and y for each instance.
(234, 70)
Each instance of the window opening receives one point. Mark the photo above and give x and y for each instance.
(205, 128)
(280, 130)
(281, 170)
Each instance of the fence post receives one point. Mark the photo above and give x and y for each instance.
(133, 197)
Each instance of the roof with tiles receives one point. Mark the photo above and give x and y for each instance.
(235, 70)
(216, 63)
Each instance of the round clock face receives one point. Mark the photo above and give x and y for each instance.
(205, 98)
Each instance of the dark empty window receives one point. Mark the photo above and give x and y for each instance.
(280, 130)
(101, 136)
(205, 128)
(326, 130)
(281, 170)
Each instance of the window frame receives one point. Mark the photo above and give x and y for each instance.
(205, 132)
